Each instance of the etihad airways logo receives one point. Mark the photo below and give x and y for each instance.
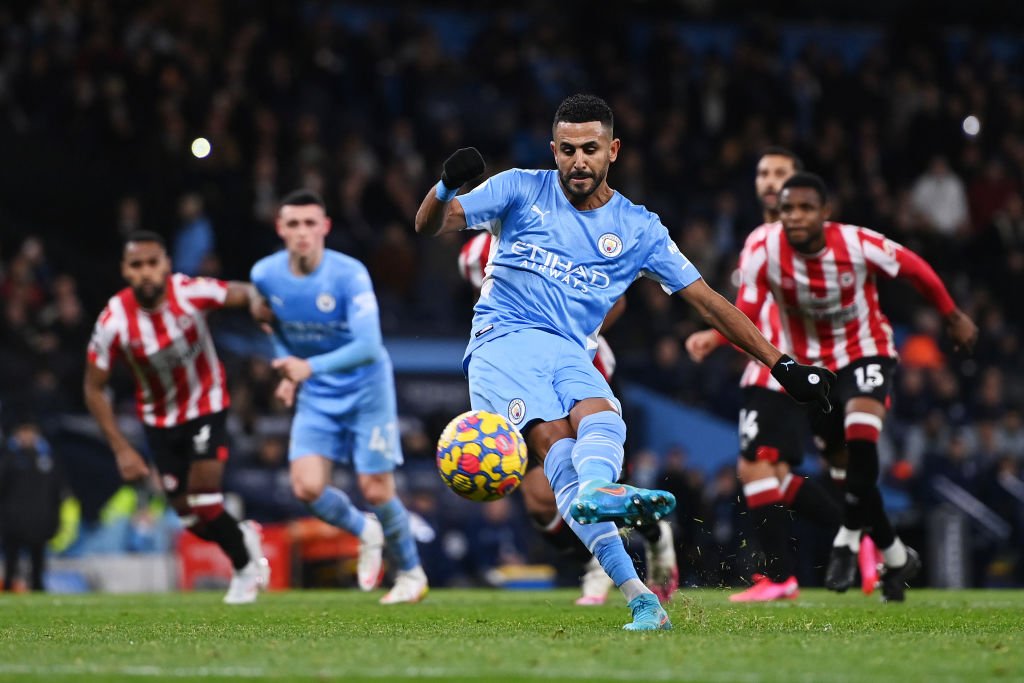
(566, 271)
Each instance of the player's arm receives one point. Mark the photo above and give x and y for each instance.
(245, 295)
(366, 345)
(440, 211)
(894, 260)
(130, 464)
(618, 308)
(804, 383)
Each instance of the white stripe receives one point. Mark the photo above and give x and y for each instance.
(786, 481)
(863, 419)
(151, 345)
(830, 273)
(803, 297)
(616, 465)
(188, 520)
(217, 388)
(837, 473)
(860, 269)
(775, 283)
(198, 500)
(610, 534)
(179, 345)
(760, 486)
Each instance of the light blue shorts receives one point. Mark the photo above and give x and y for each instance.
(532, 374)
(360, 426)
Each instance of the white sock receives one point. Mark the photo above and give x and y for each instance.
(847, 537)
(895, 555)
(632, 588)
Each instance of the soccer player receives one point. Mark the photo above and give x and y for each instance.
(823, 275)
(568, 246)
(335, 370)
(659, 544)
(771, 437)
(158, 326)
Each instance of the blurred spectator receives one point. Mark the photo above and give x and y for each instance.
(939, 198)
(194, 244)
(31, 489)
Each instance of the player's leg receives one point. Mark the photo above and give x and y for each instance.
(512, 376)
(539, 501)
(377, 451)
(190, 459)
(601, 538)
(864, 418)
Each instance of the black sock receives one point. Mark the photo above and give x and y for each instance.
(562, 539)
(223, 530)
(877, 520)
(650, 532)
(813, 502)
(771, 524)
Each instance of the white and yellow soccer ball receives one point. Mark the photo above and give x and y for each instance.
(481, 456)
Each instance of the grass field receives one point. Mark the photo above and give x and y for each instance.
(487, 636)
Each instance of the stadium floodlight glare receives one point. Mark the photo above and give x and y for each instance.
(200, 148)
(972, 126)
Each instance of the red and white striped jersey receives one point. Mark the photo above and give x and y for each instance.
(828, 302)
(474, 259)
(178, 376)
(757, 374)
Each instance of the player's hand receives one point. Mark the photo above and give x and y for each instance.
(261, 312)
(130, 464)
(458, 169)
(962, 331)
(700, 344)
(805, 383)
(285, 392)
(295, 369)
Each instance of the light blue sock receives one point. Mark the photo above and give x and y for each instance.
(334, 507)
(395, 520)
(598, 452)
(602, 539)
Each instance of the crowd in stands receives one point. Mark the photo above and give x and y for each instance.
(920, 137)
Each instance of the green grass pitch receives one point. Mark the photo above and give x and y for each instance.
(487, 635)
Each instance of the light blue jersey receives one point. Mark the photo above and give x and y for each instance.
(330, 318)
(555, 270)
(559, 269)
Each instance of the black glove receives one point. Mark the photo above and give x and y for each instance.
(805, 383)
(467, 163)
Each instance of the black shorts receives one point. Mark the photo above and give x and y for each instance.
(869, 377)
(772, 427)
(176, 448)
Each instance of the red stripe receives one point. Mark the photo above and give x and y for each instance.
(819, 290)
(791, 317)
(767, 454)
(878, 324)
(848, 295)
(862, 432)
(789, 494)
(140, 361)
(769, 497)
(178, 374)
(199, 363)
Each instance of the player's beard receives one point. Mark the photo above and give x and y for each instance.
(578, 195)
(148, 294)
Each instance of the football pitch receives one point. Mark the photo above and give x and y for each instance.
(490, 635)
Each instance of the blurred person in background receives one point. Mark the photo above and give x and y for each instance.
(158, 326)
(31, 490)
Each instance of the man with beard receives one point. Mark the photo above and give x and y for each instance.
(158, 326)
(567, 247)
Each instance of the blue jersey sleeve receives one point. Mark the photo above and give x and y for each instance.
(364, 325)
(665, 264)
(487, 205)
(257, 275)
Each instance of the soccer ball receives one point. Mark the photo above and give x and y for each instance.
(481, 456)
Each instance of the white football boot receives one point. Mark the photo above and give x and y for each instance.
(410, 586)
(371, 554)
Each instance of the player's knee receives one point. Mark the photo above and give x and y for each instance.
(377, 489)
(307, 489)
(543, 435)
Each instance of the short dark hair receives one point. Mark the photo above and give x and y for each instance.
(144, 236)
(582, 108)
(303, 197)
(811, 180)
(776, 151)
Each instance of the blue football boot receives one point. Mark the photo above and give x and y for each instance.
(604, 501)
(648, 614)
